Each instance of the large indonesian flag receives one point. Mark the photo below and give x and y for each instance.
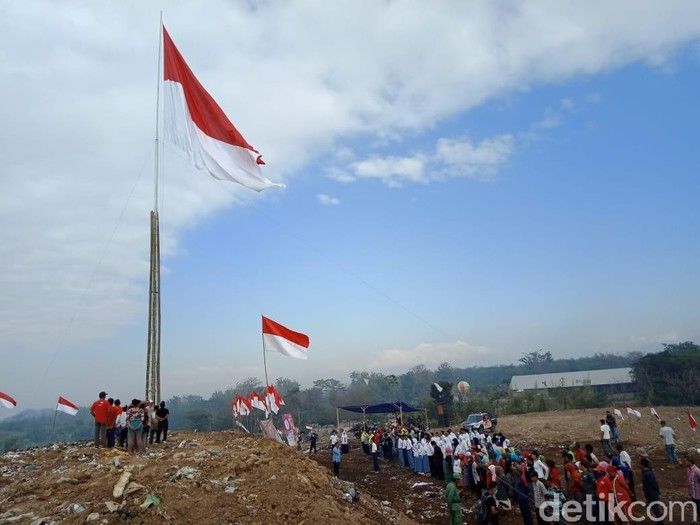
(7, 400)
(278, 338)
(66, 406)
(195, 122)
(274, 399)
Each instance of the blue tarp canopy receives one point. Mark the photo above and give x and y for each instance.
(381, 408)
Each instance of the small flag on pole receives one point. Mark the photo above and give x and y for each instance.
(691, 421)
(278, 338)
(631, 411)
(655, 413)
(241, 406)
(7, 401)
(257, 401)
(274, 399)
(437, 387)
(66, 406)
(619, 414)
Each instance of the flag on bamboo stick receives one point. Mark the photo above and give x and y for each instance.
(68, 407)
(7, 401)
(655, 413)
(691, 421)
(194, 122)
(274, 399)
(618, 413)
(240, 406)
(257, 401)
(631, 411)
(278, 338)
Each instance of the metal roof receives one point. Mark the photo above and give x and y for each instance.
(610, 376)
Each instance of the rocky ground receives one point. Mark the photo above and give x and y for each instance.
(233, 477)
(199, 478)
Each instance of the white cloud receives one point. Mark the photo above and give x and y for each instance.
(327, 200)
(457, 353)
(78, 85)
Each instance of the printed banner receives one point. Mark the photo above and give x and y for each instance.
(269, 430)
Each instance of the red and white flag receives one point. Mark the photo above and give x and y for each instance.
(195, 122)
(691, 421)
(655, 413)
(274, 399)
(258, 401)
(241, 406)
(631, 411)
(7, 400)
(66, 406)
(278, 338)
(619, 414)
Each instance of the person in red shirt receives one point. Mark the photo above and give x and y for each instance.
(114, 410)
(100, 411)
(554, 478)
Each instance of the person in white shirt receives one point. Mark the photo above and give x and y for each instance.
(120, 425)
(667, 434)
(541, 468)
(344, 447)
(375, 456)
(605, 437)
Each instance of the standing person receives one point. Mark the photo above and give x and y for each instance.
(491, 507)
(438, 471)
(667, 434)
(651, 490)
(605, 437)
(113, 431)
(694, 481)
(590, 456)
(162, 422)
(539, 495)
(152, 421)
(344, 447)
(313, 436)
(111, 421)
(134, 425)
(333, 439)
(611, 421)
(145, 425)
(375, 456)
(100, 411)
(336, 460)
(522, 496)
(454, 504)
(120, 425)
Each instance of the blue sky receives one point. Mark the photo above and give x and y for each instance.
(507, 189)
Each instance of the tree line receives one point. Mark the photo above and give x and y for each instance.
(669, 377)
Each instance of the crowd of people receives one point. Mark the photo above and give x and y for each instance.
(499, 474)
(131, 426)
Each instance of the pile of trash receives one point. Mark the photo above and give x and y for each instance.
(218, 477)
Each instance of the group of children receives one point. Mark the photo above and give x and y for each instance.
(131, 426)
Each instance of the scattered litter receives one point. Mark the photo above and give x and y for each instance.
(151, 500)
(420, 484)
(112, 506)
(121, 484)
(93, 516)
(186, 473)
(77, 508)
(133, 487)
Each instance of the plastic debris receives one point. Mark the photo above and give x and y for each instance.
(133, 487)
(94, 516)
(121, 484)
(186, 473)
(151, 500)
(420, 484)
(77, 508)
(112, 506)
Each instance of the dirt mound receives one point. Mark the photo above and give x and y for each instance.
(220, 477)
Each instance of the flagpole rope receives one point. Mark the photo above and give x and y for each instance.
(359, 278)
(80, 303)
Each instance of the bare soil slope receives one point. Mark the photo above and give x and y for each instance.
(202, 478)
